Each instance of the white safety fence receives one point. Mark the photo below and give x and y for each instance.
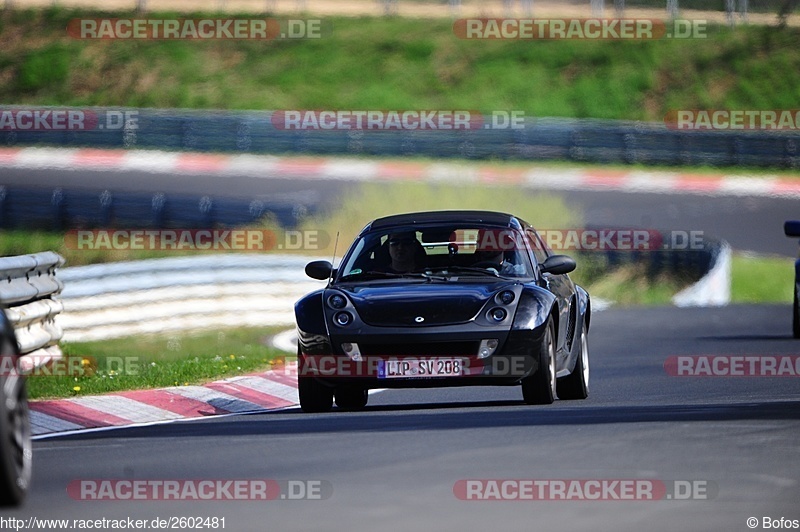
(185, 293)
(714, 288)
(28, 291)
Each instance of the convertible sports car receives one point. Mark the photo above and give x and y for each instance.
(450, 298)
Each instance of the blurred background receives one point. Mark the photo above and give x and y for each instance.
(196, 145)
(186, 137)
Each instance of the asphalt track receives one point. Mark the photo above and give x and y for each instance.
(747, 223)
(394, 466)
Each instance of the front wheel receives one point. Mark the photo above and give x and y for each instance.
(314, 396)
(540, 388)
(576, 384)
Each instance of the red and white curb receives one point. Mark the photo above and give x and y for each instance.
(348, 169)
(262, 392)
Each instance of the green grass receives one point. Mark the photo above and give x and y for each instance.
(626, 284)
(140, 362)
(762, 279)
(397, 63)
(630, 285)
(754, 279)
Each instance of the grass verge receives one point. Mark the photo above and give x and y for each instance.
(758, 279)
(630, 285)
(754, 279)
(139, 362)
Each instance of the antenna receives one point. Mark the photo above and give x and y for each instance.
(335, 244)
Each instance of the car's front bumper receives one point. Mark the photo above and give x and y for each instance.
(515, 358)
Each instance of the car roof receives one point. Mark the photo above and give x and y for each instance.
(414, 218)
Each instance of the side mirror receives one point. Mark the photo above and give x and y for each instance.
(558, 264)
(792, 228)
(319, 269)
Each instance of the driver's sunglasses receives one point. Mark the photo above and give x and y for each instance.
(403, 241)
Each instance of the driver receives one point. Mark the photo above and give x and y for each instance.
(490, 252)
(403, 250)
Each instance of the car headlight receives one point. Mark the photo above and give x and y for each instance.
(337, 301)
(506, 297)
(343, 319)
(497, 314)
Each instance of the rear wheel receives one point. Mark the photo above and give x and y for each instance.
(15, 441)
(576, 384)
(351, 397)
(314, 396)
(540, 388)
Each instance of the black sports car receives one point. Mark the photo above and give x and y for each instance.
(450, 298)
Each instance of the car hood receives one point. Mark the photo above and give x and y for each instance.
(421, 304)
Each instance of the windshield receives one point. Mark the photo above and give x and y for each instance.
(461, 251)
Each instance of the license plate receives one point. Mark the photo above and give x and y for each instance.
(420, 368)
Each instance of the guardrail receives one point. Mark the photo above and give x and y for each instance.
(59, 208)
(582, 140)
(28, 286)
(183, 293)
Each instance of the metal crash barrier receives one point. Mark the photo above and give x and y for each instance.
(28, 290)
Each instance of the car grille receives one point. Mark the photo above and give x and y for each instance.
(428, 349)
